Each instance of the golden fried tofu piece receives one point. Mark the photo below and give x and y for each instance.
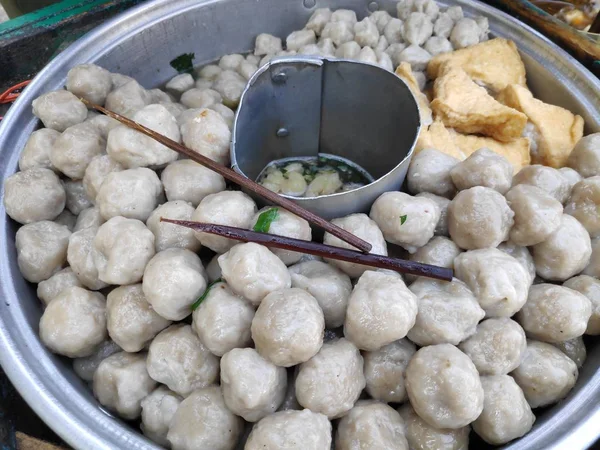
(494, 64)
(404, 71)
(468, 108)
(516, 152)
(557, 130)
(439, 137)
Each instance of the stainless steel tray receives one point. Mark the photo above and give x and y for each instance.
(141, 43)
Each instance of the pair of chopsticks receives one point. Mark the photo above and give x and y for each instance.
(270, 240)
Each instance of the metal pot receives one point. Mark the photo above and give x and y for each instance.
(140, 43)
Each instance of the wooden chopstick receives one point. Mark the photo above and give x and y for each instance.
(315, 248)
(240, 180)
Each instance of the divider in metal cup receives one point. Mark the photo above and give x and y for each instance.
(304, 106)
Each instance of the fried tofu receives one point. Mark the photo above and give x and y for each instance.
(404, 71)
(460, 146)
(516, 152)
(493, 64)
(467, 107)
(437, 136)
(557, 130)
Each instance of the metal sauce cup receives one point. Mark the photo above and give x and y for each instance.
(302, 106)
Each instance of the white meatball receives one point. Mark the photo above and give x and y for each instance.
(252, 271)
(417, 28)
(288, 327)
(50, 288)
(173, 280)
(483, 168)
(176, 109)
(565, 253)
(330, 286)
(253, 387)
(506, 414)
(103, 124)
(169, 235)
(521, 254)
(422, 436)
(366, 33)
(96, 172)
(436, 45)
(441, 228)
(197, 98)
(381, 310)
(213, 270)
(132, 193)
(571, 175)
(41, 249)
(119, 79)
(405, 220)
(300, 38)
(590, 287)
(439, 251)
(67, 219)
(289, 225)
(417, 57)
(574, 349)
(36, 153)
(498, 280)
(393, 31)
(127, 99)
(34, 195)
(585, 157)
(158, 410)
(339, 32)
(381, 18)
(361, 226)
(59, 110)
(88, 218)
(537, 214)
(81, 260)
(225, 112)
(344, 15)
(203, 421)
(593, 268)
(317, 21)
(75, 148)
(545, 374)
(443, 387)
(90, 82)
(448, 312)
(267, 44)
(429, 171)
(121, 249)
(371, 425)
(121, 382)
(179, 84)
(85, 367)
(348, 50)
(232, 208)
(230, 85)
(292, 430)
(177, 358)
(223, 320)
(443, 26)
(465, 33)
(130, 319)
(479, 217)
(208, 134)
(497, 346)
(332, 380)
(133, 149)
(74, 322)
(555, 313)
(385, 368)
(584, 204)
(77, 199)
(546, 178)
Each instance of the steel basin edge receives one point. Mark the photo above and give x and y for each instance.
(140, 43)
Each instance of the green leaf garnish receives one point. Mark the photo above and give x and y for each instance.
(203, 297)
(403, 219)
(183, 63)
(265, 219)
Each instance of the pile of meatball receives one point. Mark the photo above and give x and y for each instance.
(286, 350)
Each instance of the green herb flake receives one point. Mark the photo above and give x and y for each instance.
(403, 219)
(183, 63)
(263, 224)
(203, 297)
